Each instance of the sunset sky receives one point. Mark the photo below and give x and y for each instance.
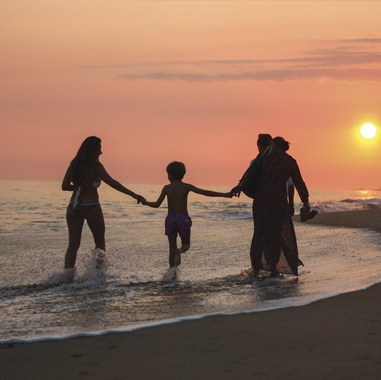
(194, 81)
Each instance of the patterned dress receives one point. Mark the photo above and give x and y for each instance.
(274, 245)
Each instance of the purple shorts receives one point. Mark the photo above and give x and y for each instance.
(178, 223)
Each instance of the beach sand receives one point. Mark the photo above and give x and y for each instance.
(335, 338)
(353, 219)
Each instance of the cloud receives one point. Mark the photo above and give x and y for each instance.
(354, 60)
(372, 40)
(351, 75)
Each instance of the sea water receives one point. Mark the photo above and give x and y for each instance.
(40, 300)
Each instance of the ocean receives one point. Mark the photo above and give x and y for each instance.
(40, 301)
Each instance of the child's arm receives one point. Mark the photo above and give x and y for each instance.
(159, 200)
(209, 193)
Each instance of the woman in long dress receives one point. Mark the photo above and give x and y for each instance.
(83, 177)
(274, 246)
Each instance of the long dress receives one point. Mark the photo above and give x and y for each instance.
(274, 246)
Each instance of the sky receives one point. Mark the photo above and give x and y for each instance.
(192, 81)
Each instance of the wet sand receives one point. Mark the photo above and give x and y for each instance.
(335, 338)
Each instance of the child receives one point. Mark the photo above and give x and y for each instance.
(178, 220)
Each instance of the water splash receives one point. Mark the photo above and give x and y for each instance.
(172, 274)
(249, 276)
(60, 277)
(95, 266)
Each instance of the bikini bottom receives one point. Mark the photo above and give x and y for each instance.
(83, 209)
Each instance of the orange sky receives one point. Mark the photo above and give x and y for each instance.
(194, 81)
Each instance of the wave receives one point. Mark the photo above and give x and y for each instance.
(243, 211)
(347, 205)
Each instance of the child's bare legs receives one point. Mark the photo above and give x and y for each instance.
(185, 244)
(172, 251)
(177, 258)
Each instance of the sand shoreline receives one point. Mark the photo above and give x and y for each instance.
(334, 338)
(351, 219)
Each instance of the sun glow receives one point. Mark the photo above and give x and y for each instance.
(368, 131)
(366, 194)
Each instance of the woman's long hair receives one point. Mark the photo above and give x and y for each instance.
(85, 159)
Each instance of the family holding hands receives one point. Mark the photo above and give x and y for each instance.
(85, 173)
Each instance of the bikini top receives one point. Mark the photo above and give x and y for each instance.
(93, 182)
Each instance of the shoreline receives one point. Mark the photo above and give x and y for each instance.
(335, 338)
(350, 219)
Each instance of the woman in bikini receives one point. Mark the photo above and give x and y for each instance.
(83, 177)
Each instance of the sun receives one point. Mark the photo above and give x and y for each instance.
(368, 131)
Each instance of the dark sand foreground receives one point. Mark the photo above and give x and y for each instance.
(335, 338)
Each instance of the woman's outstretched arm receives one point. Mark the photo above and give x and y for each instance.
(105, 177)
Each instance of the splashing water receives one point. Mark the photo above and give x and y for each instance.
(95, 267)
(95, 264)
(171, 274)
(58, 278)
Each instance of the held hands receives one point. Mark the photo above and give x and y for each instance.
(236, 191)
(232, 194)
(140, 199)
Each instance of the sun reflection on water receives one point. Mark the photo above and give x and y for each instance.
(365, 194)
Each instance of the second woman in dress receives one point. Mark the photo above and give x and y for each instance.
(274, 246)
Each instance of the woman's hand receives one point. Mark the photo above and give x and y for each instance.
(139, 198)
(236, 191)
